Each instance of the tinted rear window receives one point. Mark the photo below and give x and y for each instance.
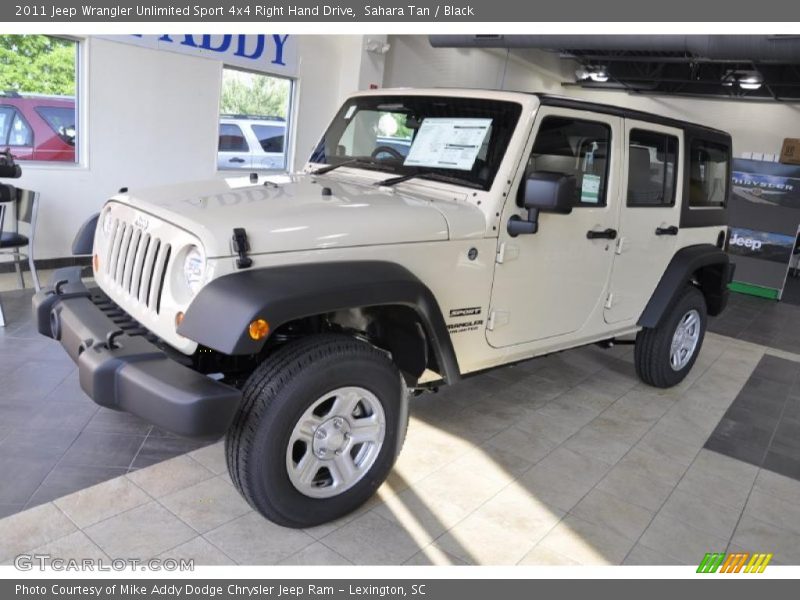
(270, 137)
(61, 120)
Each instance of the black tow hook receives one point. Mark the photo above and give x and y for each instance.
(111, 337)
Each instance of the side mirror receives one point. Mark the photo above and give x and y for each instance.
(544, 191)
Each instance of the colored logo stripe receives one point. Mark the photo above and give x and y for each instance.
(735, 562)
(711, 562)
(758, 563)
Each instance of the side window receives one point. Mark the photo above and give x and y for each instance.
(231, 139)
(270, 137)
(20, 133)
(574, 147)
(6, 116)
(652, 162)
(708, 174)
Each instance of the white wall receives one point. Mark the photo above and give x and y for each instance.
(150, 118)
(756, 127)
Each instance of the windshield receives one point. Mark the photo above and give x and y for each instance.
(452, 139)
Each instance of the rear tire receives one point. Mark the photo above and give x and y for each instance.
(321, 424)
(665, 354)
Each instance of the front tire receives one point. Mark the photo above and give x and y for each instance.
(320, 426)
(665, 354)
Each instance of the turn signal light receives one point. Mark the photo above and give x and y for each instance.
(178, 319)
(96, 263)
(259, 329)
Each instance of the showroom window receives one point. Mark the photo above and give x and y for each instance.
(708, 174)
(38, 91)
(652, 158)
(254, 121)
(574, 147)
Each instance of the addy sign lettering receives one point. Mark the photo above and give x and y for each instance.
(275, 54)
(244, 46)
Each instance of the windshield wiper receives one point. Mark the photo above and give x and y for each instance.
(353, 161)
(430, 175)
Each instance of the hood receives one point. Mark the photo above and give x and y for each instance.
(305, 213)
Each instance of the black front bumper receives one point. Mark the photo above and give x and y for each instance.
(120, 369)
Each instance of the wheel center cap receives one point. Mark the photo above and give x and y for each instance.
(331, 437)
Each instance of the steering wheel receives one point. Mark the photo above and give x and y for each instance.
(387, 150)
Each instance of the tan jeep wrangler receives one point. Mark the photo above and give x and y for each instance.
(433, 234)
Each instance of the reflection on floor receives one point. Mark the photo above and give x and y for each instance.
(566, 459)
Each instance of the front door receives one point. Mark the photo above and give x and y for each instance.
(649, 217)
(233, 151)
(552, 284)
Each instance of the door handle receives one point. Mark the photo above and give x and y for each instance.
(608, 234)
(671, 230)
(236, 159)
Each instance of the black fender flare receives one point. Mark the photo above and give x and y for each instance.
(83, 241)
(716, 272)
(220, 314)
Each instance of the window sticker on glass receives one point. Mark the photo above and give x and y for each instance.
(590, 189)
(448, 143)
(350, 112)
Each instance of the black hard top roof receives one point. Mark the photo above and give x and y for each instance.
(619, 111)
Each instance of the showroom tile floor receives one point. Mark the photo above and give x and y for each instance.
(561, 460)
(53, 439)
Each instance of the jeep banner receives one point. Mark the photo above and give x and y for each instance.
(763, 245)
(764, 218)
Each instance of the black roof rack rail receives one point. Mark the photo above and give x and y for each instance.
(253, 117)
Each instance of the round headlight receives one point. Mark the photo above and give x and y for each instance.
(194, 268)
(108, 224)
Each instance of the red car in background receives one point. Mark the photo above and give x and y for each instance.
(36, 127)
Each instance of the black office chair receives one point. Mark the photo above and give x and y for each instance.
(23, 205)
(19, 206)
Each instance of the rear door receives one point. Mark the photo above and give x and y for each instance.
(271, 141)
(649, 219)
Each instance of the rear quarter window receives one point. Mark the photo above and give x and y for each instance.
(709, 168)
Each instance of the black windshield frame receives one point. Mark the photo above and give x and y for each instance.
(505, 116)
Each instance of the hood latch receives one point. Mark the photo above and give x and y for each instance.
(241, 246)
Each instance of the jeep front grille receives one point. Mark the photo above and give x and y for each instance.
(137, 264)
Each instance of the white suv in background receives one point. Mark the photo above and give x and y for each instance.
(251, 142)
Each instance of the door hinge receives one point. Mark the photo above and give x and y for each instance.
(620, 243)
(609, 300)
(507, 252)
(497, 318)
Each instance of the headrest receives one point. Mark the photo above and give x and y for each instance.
(8, 193)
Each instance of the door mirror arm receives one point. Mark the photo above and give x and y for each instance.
(545, 191)
(518, 225)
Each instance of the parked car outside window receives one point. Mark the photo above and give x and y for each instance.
(38, 127)
(251, 142)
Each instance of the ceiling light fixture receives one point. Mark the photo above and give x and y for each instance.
(750, 82)
(598, 74)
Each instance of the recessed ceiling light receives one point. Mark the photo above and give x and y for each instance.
(599, 74)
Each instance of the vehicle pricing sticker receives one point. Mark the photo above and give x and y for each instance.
(590, 189)
(448, 143)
